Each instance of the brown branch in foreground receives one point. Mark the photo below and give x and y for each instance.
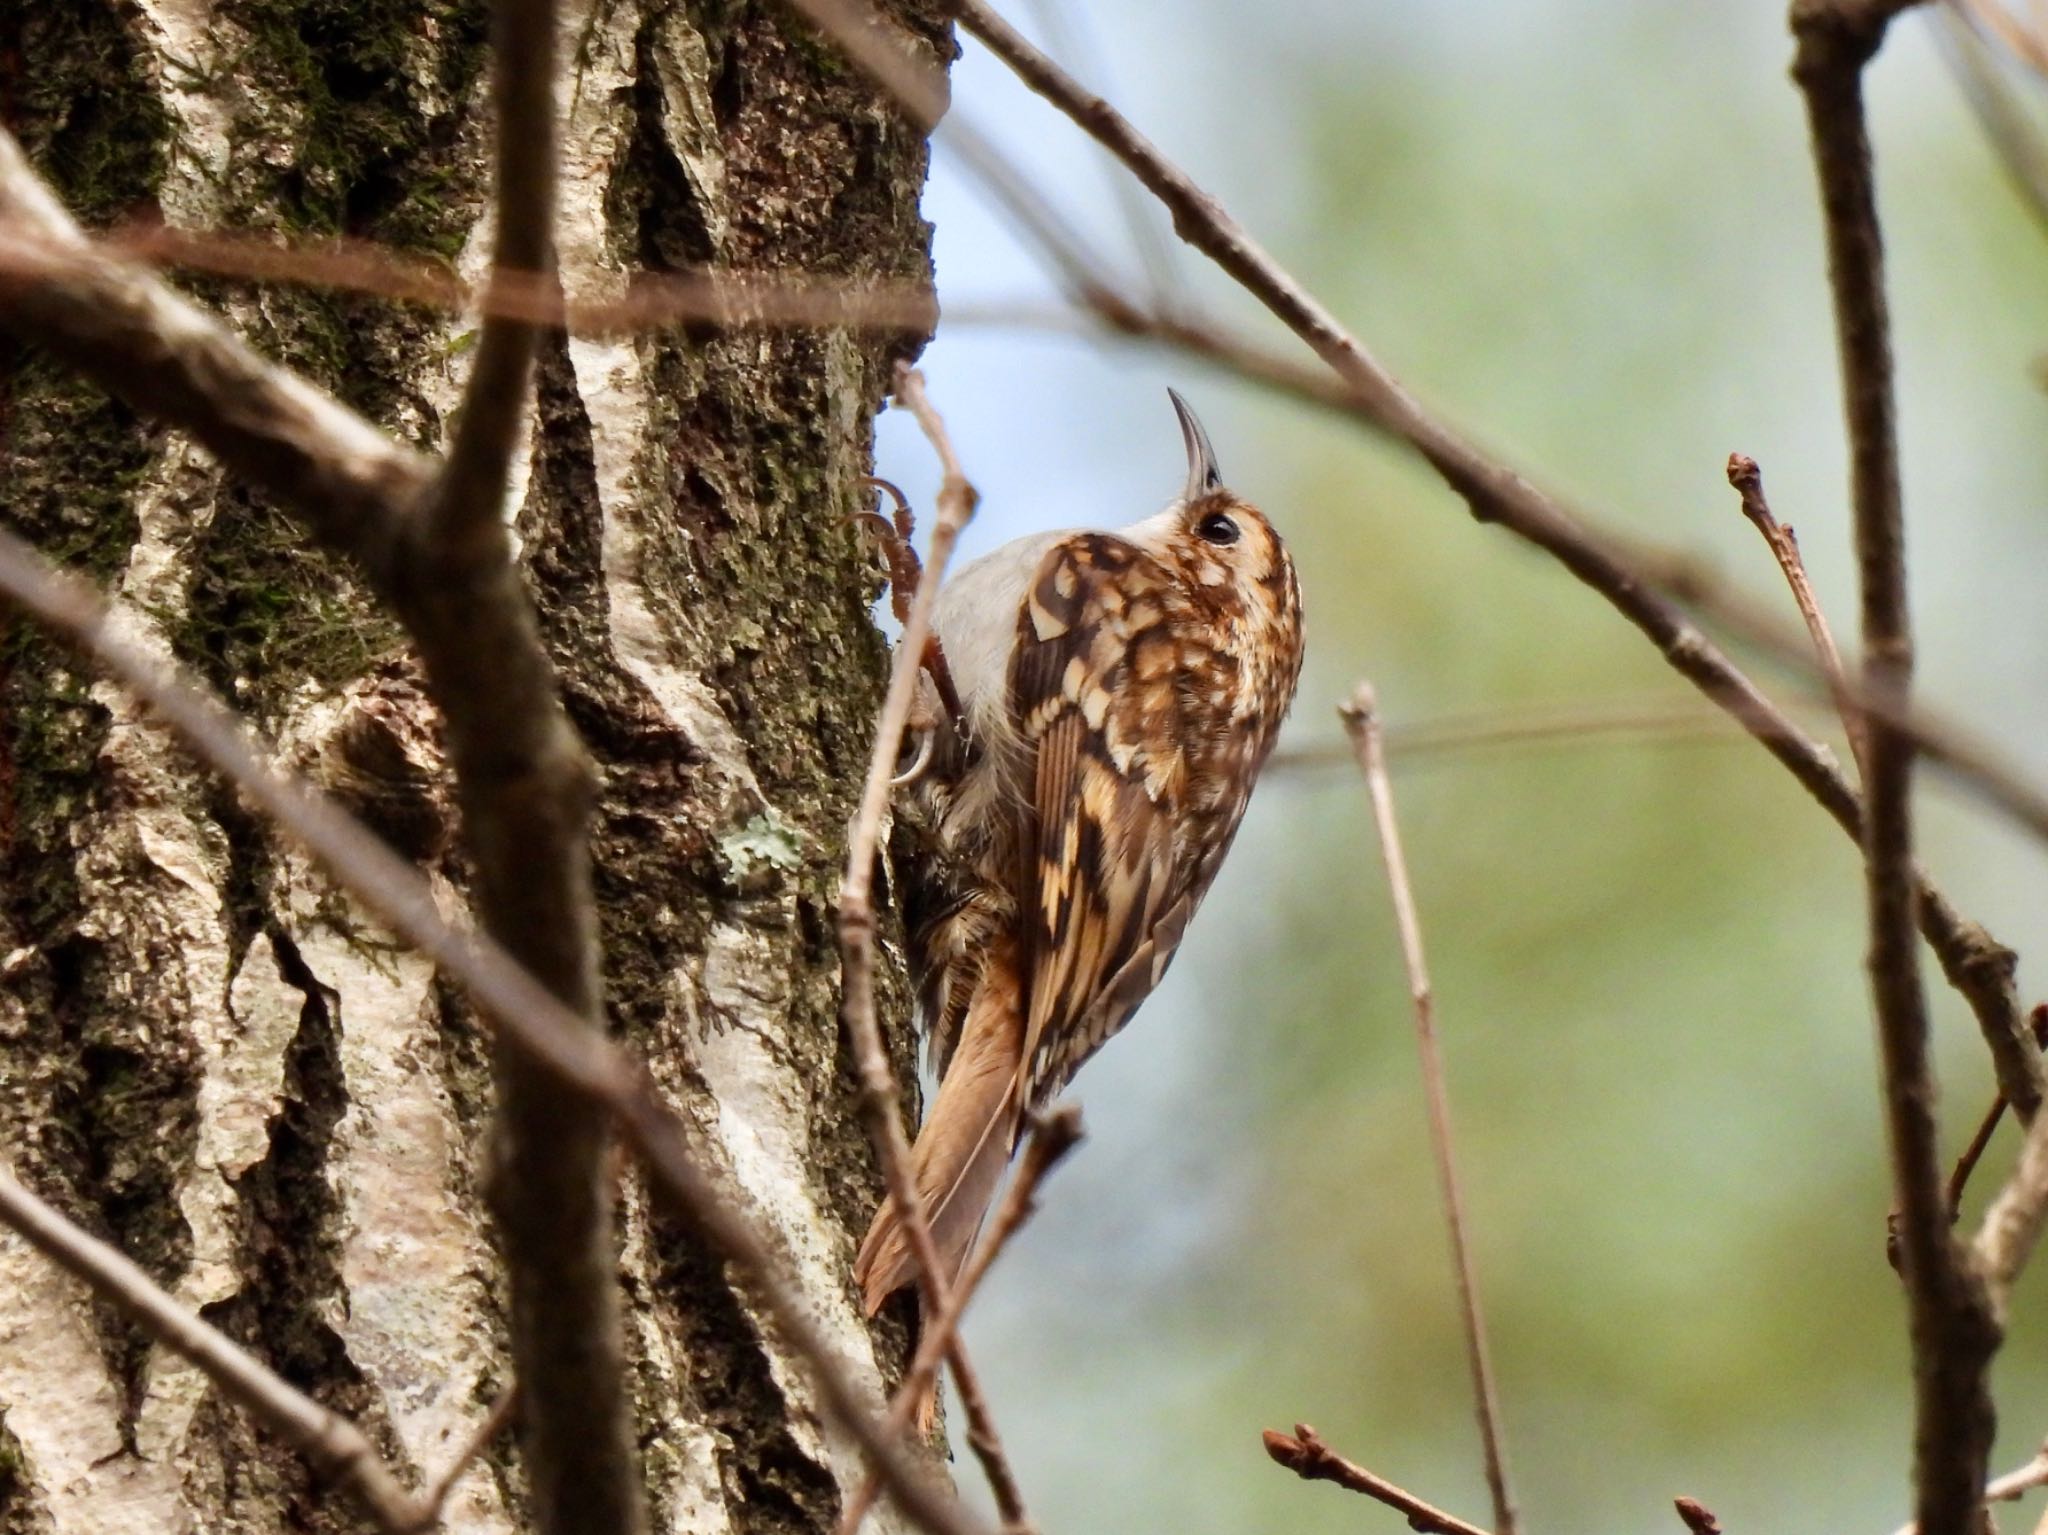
(1305, 1454)
(526, 789)
(2009, 1487)
(1697, 1516)
(333, 1445)
(1748, 481)
(881, 1106)
(1978, 966)
(521, 1009)
(1053, 1135)
(1361, 721)
(1953, 1332)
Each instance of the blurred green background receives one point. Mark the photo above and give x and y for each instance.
(1587, 231)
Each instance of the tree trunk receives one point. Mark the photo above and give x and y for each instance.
(210, 1055)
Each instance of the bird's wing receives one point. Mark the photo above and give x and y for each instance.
(1095, 696)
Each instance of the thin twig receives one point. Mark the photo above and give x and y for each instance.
(523, 1010)
(1748, 481)
(1066, 33)
(1053, 1135)
(881, 1106)
(1697, 1516)
(1971, 1155)
(436, 1496)
(2008, 1488)
(1361, 721)
(1621, 722)
(1305, 1454)
(918, 82)
(1952, 1330)
(1978, 966)
(334, 1446)
(2012, 1223)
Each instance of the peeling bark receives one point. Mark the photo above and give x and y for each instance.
(206, 1051)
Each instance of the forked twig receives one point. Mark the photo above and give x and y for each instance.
(1362, 723)
(1972, 1154)
(1304, 1453)
(1052, 1136)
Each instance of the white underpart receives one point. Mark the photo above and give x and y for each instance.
(977, 625)
(762, 1107)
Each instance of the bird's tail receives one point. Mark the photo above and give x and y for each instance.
(965, 1143)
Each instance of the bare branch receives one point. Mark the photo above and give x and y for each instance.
(1052, 1137)
(468, 499)
(525, 1012)
(1361, 720)
(721, 297)
(1954, 1334)
(526, 789)
(1305, 1454)
(335, 1447)
(921, 88)
(881, 1106)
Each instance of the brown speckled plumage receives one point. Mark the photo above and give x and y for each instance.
(1122, 691)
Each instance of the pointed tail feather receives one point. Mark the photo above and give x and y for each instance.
(965, 1144)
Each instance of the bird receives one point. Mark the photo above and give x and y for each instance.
(1118, 694)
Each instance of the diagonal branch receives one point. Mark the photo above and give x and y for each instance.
(129, 332)
(333, 1445)
(1954, 1334)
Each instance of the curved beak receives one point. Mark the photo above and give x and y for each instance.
(1204, 478)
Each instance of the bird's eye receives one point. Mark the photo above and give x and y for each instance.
(1217, 528)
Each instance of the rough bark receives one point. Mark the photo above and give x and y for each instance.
(209, 1054)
